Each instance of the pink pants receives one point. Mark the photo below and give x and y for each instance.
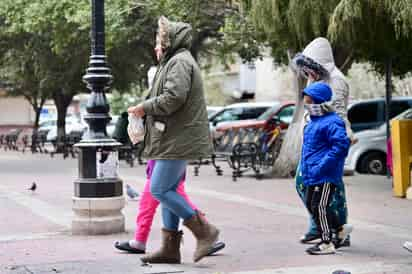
(147, 210)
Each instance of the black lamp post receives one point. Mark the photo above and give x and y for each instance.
(98, 192)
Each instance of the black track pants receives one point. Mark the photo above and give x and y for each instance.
(317, 200)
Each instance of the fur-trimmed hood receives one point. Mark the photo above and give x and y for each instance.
(174, 35)
(320, 51)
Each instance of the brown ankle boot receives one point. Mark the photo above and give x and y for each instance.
(205, 233)
(169, 252)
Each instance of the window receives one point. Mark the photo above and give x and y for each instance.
(268, 113)
(48, 123)
(286, 114)
(226, 115)
(397, 107)
(363, 113)
(252, 113)
(235, 114)
(407, 115)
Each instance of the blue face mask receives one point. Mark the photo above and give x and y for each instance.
(314, 109)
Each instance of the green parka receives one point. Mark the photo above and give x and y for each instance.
(176, 118)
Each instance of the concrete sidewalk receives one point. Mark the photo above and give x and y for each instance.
(261, 222)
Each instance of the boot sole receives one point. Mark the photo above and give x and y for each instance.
(319, 254)
(406, 248)
(161, 261)
(127, 248)
(309, 242)
(205, 253)
(216, 247)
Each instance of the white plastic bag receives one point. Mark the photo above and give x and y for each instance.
(135, 129)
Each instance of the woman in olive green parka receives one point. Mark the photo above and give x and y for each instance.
(176, 130)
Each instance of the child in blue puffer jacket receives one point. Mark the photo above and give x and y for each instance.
(325, 146)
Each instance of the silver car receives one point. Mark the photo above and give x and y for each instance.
(368, 155)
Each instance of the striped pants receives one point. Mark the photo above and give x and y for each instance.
(337, 204)
(317, 200)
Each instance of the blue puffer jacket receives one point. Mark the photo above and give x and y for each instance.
(325, 145)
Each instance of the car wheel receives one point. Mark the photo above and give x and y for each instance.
(373, 163)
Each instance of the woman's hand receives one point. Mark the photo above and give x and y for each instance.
(137, 110)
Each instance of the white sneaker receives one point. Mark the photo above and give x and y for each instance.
(344, 232)
(408, 246)
(322, 249)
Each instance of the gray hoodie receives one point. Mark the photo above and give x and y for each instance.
(320, 51)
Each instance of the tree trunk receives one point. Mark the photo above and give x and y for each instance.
(62, 102)
(289, 155)
(37, 112)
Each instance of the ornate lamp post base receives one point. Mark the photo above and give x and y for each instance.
(98, 192)
(98, 200)
(98, 216)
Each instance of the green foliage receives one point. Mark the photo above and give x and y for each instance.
(206, 18)
(377, 30)
(360, 30)
(239, 36)
(22, 71)
(288, 25)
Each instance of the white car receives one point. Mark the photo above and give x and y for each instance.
(368, 155)
(112, 125)
(47, 125)
(72, 124)
(211, 110)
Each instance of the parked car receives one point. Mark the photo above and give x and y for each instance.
(111, 125)
(72, 124)
(279, 114)
(211, 110)
(239, 111)
(47, 125)
(368, 155)
(369, 114)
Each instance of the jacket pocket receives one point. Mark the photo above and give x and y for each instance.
(315, 172)
(156, 129)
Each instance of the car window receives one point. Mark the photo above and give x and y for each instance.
(268, 113)
(252, 113)
(363, 113)
(226, 115)
(48, 123)
(286, 114)
(398, 107)
(408, 115)
(235, 114)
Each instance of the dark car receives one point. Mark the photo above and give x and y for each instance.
(370, 114)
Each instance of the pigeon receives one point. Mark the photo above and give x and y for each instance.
(33, 187)
(133, 194)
